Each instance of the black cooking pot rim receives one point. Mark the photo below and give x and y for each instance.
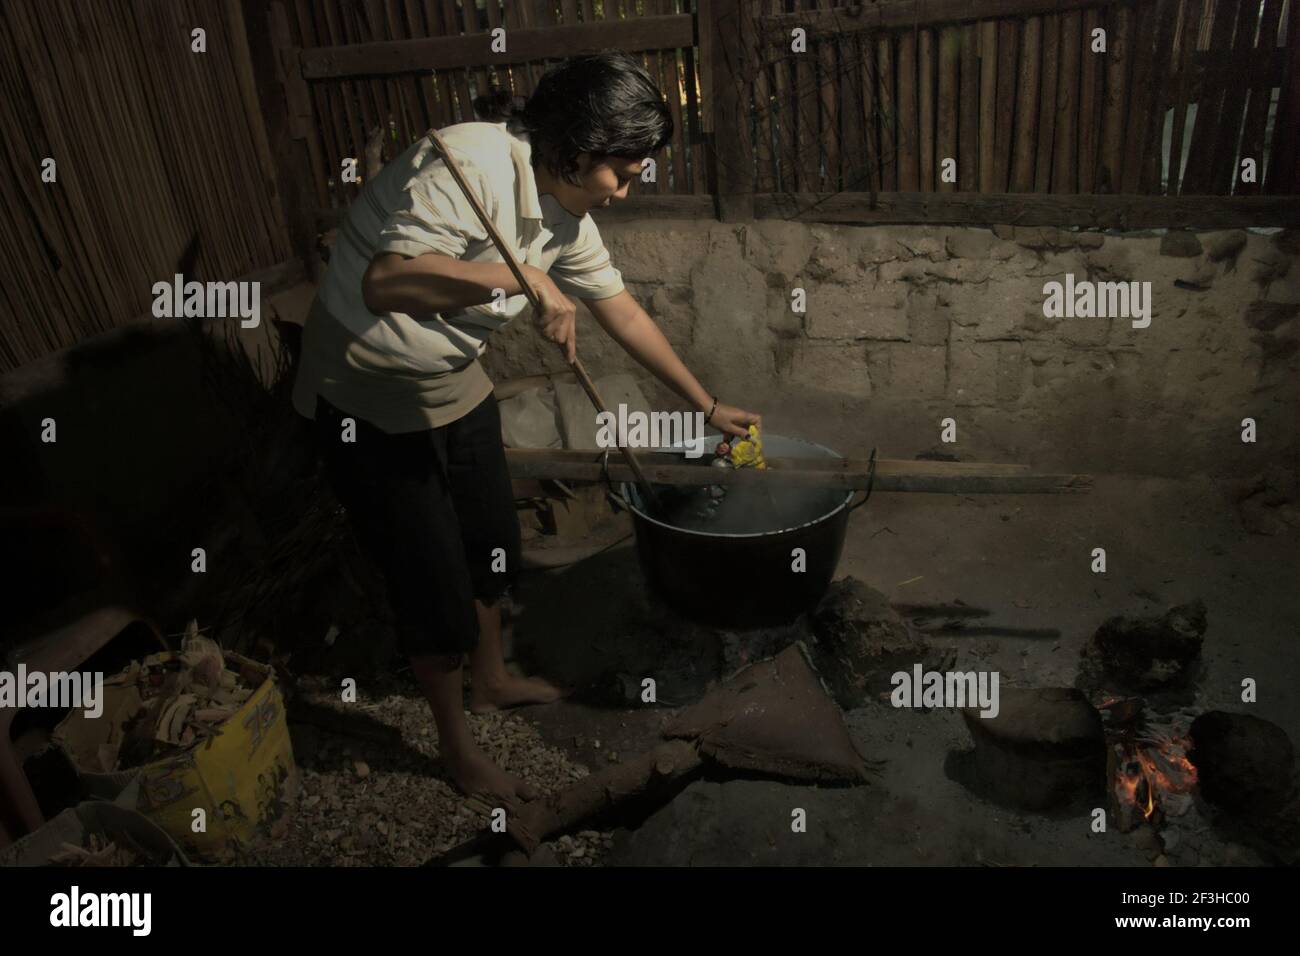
(630, 494)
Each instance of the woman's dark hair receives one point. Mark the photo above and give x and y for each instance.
(599, 103)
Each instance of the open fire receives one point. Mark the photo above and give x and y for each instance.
(1154, 777)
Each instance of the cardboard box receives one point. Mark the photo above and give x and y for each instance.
(243, 778)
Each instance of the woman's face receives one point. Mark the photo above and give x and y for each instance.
(601, 182)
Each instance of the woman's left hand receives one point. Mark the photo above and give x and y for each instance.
(733, 422)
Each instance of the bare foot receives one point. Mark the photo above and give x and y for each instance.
(513, 692)
(474, 773)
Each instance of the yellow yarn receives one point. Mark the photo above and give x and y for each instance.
(748, 452)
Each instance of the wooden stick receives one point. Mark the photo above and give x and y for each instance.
(1252, 135)
(508, 255)
(870, 108)
(839, 473)
(829, 123)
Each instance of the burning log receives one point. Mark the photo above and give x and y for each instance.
(1045, 748)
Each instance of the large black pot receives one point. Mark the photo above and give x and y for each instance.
(746, 580)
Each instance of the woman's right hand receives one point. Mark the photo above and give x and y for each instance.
(558, 318)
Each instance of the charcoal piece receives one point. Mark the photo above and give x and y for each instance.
(1044, 749)
(1150, 653)
(1243, 763)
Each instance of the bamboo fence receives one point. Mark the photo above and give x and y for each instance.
(162, 163)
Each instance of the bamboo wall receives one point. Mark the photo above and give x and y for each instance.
(348, 111)
(161, 157)
(1023, 104)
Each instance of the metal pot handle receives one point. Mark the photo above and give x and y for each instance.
(871, 480)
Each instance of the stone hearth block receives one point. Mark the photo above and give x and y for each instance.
(1149, 653)
(1045, 748)
(860, 642)
(1243, 763)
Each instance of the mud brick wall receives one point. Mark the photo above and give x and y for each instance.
(908, 325)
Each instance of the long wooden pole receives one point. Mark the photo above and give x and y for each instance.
(579, 369)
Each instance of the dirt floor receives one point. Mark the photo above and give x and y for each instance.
(1026, 559)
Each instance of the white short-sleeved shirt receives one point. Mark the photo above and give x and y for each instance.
(408, 372)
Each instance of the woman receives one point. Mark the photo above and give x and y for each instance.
(390, 373)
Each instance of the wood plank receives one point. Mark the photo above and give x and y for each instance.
(891, 475)
(385, 57)
(925, 65)
(1197, 180)
(988, 104)
(888, 108)
(1031, 53)
(1090, 95)
(732, 150)
(853, 165)
(1065, 173)
(968, 146)
(1008, 55)
(808, 137)
(1163, 92)
(1223, 171)
(1115, 109)
(1283, 173)
(787, 158)
(1192, 10)
(764, 106)
(870, 109)
(886, 14)
(828, 123)
(949, 101)
(908, 119)
(1049, 78)
(1099, 212)
(1252, 136)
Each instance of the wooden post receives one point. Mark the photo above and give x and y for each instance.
(1252, 134)
(1284, 168)
(729, 69)
(829, 124)
(870, 107)
(1022, 170)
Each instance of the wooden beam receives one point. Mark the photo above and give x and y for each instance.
(454, 52)
(1097, 212)
(950, 477)
(887, 14)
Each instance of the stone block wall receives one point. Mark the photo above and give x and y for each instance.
(904, 326)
